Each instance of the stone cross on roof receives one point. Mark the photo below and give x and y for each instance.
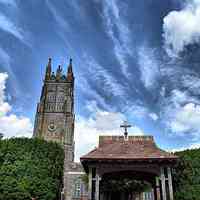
(125, 125)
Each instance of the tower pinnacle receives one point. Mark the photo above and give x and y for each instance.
(48, 70)
(70, 76)
(58, 72)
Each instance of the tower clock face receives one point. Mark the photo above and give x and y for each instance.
(52, 127)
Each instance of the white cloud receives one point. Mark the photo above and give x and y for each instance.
(194, 146)
(181, 28)
(181, 114)
(148, 66)
(178, 98)
(101, 122)
(11, 125)
(192, 83)
(15, 126)
(187, 119)
(191, 146)
(154, 116)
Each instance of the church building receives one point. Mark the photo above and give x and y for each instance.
(117, 157)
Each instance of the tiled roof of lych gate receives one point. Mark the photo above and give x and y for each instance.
(135, 148)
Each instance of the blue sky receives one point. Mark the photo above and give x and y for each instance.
(133, 60)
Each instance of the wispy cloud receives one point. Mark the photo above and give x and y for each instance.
(7, 25)
(86, 89)
(100, 74)
(57, 15)
(114, 20)
(137, 109)
(9, 2)
(11, 23)
(98, 83)
(5, 58)
(110, 92)
(149, 67)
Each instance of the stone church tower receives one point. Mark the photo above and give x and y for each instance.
(54, 119)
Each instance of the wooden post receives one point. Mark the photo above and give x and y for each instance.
(141, 196)
(157, 189)
(90, 184)
(171, 196)
(152, 194)
(97, 186)
(62, 195)
(101, 196)
(163, 184)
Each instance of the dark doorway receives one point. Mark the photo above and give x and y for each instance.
(125, 185)
(116, 196)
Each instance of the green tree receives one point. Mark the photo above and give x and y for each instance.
(187, 175)
(30, 168)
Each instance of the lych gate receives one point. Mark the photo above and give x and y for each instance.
(128, 158)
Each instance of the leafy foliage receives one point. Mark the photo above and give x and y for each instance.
(187, 175)
(30, 168)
